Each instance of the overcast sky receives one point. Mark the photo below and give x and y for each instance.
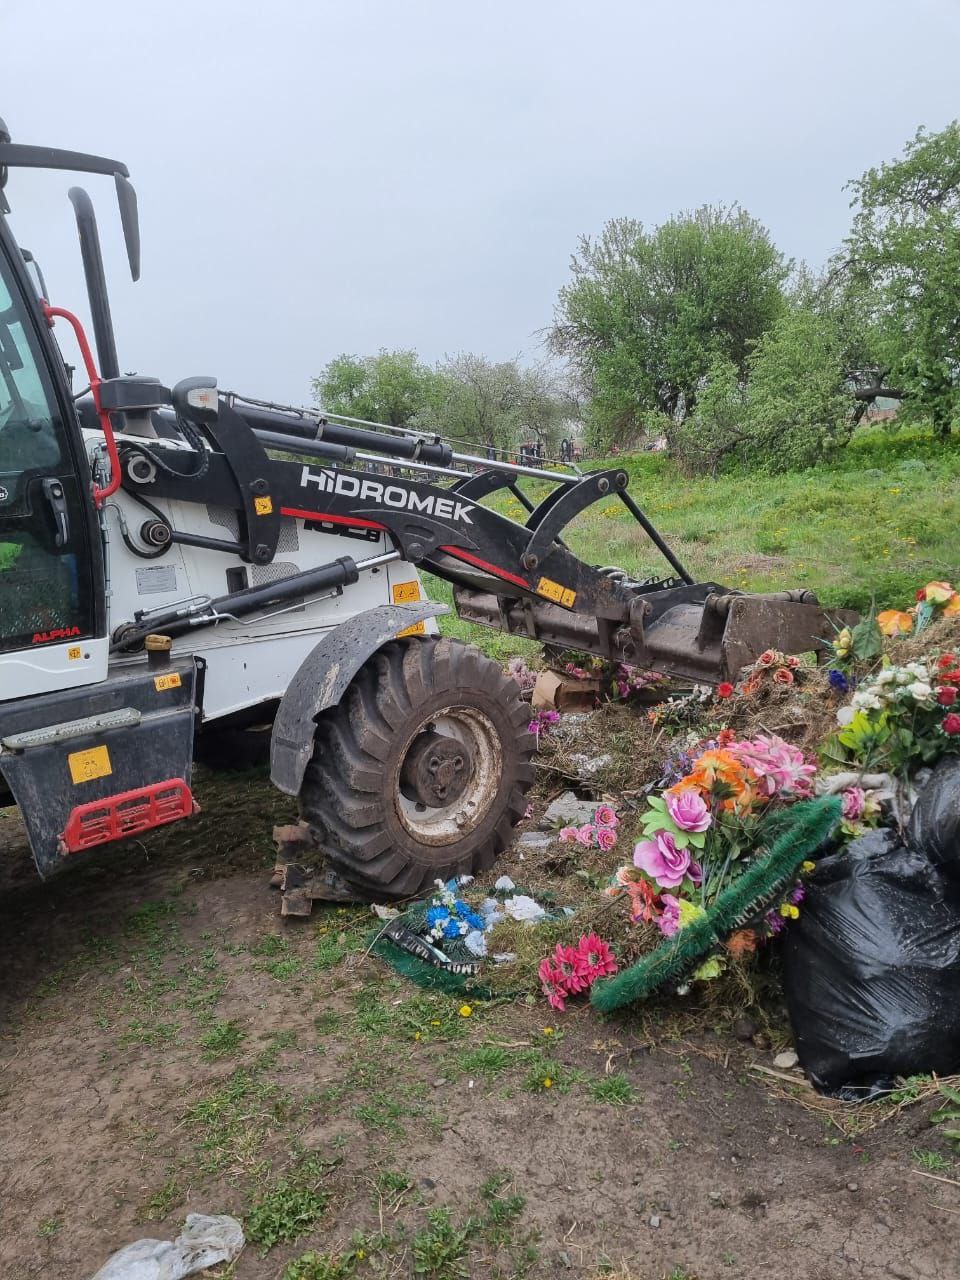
(318, 177)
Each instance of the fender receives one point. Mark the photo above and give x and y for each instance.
(322, 679)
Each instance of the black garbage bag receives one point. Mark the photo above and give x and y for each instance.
(935, 822)
(872, 969)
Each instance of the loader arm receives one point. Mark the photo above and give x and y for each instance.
(516, 577)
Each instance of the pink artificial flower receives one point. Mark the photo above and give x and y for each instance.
(606, 838)
(854, 800)
(622, 688)
(669, 922)
(605, 816)
(793, 661)
(689, 810)
(567, 835)
(662, 860)
(569, 963)
(781, 767)
(596, 958)
(585, 834)
(695, 872)
(552, 983)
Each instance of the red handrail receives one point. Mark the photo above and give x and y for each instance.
(99, 495)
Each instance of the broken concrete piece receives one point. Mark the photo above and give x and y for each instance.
(568, 811)
(786, 1061)
(535, 840)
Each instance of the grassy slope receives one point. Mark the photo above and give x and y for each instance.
(881, 519)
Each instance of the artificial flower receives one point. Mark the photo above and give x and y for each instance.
(669, 921)
(952, 607)
(606, 838)
(783, 675)
(838, 681)
(843, 643)
(767, 658)
(662, 860)
(946, 695)
(782, 769)
(595, 958)
(852, 803)
(688, 810)
(945, 661)
(951, 724)
(938, 593)
(567, 835)
(725, 689)
(585, 834)
(789, 911)
(605, 816)
(742, 943)
(894, 622)
(793, 661)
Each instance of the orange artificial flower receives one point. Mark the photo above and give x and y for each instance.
(952, 607)
(742, 943)
(894, 622)
(720, 769)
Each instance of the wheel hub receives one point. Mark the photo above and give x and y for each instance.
(437, 769)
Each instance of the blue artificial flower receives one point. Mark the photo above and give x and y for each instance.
(838, 681)
(452, 928)
(473, 920)
(437, 914)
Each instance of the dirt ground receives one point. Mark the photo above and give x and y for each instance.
(169, 1045)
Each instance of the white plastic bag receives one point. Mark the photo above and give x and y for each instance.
(203, 1242)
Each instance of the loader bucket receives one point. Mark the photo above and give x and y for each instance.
(699, 632)
(708, 634)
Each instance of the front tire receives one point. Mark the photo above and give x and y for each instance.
(419, 772)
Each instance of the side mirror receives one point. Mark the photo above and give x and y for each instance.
(197, 399)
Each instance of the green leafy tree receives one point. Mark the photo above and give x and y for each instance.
(394, 387)
(798, 405)
(496, 405)
(647, 313)
(903, 271)
(718, 428)
(791, 409)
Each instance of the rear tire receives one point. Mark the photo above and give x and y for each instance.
(419, 772)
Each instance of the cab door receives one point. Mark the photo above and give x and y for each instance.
(52, 618)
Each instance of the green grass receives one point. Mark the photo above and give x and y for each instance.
(222, 1040)
(931, 1160)
(616, 1090)
(284, 1213)
(877, 521)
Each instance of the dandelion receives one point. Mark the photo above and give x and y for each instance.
(465, 1011)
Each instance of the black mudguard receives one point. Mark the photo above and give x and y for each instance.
(80, 764)
(322, 680)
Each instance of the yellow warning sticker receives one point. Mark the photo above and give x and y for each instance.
(263, 506)
(418, 629)
(90, 764)
(171, 681)
(74, 652)
(405, 592)
(557, 593)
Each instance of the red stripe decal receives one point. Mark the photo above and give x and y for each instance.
(320, 515)
(460, 554)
